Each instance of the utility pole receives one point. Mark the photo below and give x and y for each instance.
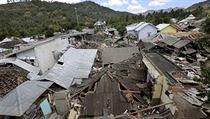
(76, 16)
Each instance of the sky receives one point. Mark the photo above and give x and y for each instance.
(135, 6)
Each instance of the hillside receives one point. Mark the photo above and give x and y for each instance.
(164, 10)
(205, 5)
(31, 18)
(37, 18)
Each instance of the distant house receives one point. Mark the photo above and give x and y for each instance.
(28, 40)
(99, 25)
(187, 20)
(141, 30)
(167, 28)
(43, 54)
(190, 23)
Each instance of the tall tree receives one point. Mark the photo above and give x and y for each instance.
(206, 26)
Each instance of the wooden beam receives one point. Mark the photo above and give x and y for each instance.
(142, 110)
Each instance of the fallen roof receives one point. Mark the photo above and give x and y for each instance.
(11, 76)
(107, 99)
(21, 64)
(18, 101)
(170, 40)
(181, 43)
(187, 35)
(164, 65)
(110, 90)
(116, 55)
(77, 64)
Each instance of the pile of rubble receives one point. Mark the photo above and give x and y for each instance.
(116, 91)
(89, 45)
(10, 77)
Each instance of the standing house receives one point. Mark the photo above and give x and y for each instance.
(187, 20)
(43, 54)
(141, 30)
(167, 28)
(99, 25)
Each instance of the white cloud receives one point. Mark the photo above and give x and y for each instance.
(155, 3)
(3, 1)
(137, 8)
(134, 2)
(65, 1)
(115, 3)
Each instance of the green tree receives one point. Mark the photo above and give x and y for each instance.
(206, 26)
(49, 32)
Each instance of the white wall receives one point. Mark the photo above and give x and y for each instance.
(28, 54)
(144, 32)
(132, 33)
(44, 53)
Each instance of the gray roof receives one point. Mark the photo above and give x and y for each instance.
(19, 100)
(77, 64)
(115, 55)
(21, 64)
(189, 51)
(33, 45)
(144, 25)
(181, 43)
(169, 40)
(138, 26)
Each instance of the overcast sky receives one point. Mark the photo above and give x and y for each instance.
(135, 6)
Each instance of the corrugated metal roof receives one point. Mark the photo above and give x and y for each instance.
(181, 43)
(18, 101)
(138, 26)
(189, 51)
(190, 17)
(188, 35)
(115, 55)
(134, 26)
(77, 64)
(162, 26)
(35, 44)
(169, 40)
(21, 64)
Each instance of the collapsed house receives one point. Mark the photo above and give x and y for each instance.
(18, 92)
(72, 67)
(191, 23)
(43, 54)
(121, 90)
(179, 44)
(22, 101)
(184, 99)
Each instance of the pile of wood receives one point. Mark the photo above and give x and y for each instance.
(10, 77)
